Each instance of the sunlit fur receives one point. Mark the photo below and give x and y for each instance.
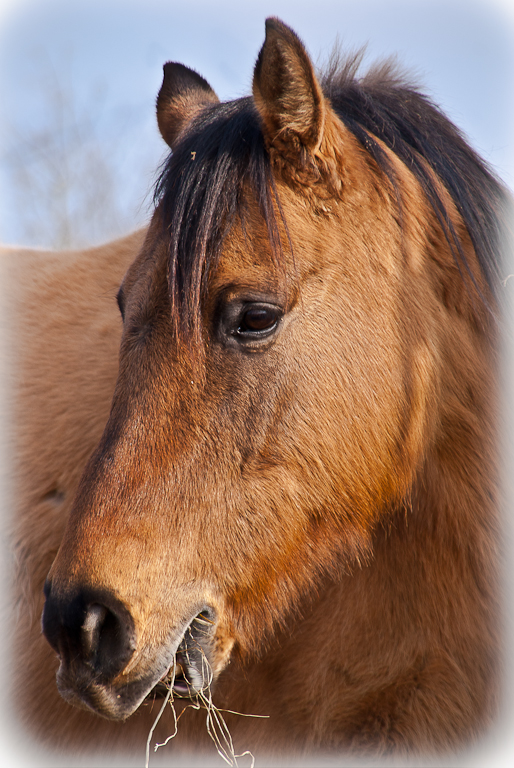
(331, 492)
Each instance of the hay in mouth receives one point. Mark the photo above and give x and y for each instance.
(190, 672)
(190, 677)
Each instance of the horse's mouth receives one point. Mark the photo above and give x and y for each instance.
(190, 674)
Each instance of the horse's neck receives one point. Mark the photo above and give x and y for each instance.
(409, 639)
(432, 576)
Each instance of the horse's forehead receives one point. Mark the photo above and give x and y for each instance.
(246, 250)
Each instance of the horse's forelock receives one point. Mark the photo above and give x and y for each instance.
(202, 190)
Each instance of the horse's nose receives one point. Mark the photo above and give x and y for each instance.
(90, 628)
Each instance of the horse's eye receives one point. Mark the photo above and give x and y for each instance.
(120, 299)
(258, 320)
(249, 324)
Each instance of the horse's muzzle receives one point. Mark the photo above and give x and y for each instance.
(94, 636)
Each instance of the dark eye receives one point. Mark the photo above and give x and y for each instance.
(258, 320)
(249, 324)
(120, 299)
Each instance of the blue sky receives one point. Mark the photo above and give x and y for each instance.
(111, 53)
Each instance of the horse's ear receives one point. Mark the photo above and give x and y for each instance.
(183, 93)
(286, 90)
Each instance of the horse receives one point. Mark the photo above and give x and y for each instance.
(281, 499)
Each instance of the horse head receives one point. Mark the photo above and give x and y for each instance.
(279, 382)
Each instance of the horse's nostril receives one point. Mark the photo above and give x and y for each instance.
(109, 638)
(90, 629)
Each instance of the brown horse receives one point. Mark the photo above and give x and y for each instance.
(293, 501)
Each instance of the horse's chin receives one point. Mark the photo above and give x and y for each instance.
(110, 700)
(185, 668)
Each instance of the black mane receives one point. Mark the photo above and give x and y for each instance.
(382, 104)
(201, 190)
(201, 187)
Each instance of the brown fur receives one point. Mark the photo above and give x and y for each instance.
(330, 492)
